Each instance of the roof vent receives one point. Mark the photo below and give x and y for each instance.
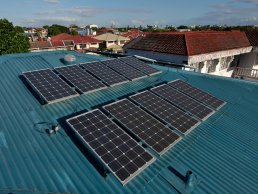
(69, 59)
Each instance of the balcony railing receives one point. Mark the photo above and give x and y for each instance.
(245, 73)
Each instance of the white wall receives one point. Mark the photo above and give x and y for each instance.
(178, 59)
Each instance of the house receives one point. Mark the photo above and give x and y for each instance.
(218, 156)
(208, 52)
(106, 30)
(91, 29)
(41, 33)
(133, 33)
(81, 42)
(39, 46)
(112, 41)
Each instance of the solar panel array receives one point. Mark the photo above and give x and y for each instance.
(165, 111)
(143, 125)
(183, 101)
(141, 66)
(79, 78)
(124, 69)
(49, 86)
(197, 94)
(107, 75)
(121, 154)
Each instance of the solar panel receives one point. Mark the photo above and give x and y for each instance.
(121, 154)
(183, 101)
(197, 94)
(143, 125)
(80, 79)
(124, 69)
(107, 75)
(165, 111)
(141, 66)
(49, 86)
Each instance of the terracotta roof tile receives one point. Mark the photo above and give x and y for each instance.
(252, 36)
(77, 39)
(44, 44)
(192, 43)
(57, 43)
(165, 43)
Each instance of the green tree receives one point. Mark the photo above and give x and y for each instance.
(57, 29)
(11, 40)
(19, 29)
(73, 32)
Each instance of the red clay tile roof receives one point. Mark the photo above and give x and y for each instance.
(192, 43)
(133, 33)
(77, 39)
(252, 36)
(199, 43)
(165, 43)
(33, 45)
(57, 43)
(44, 44)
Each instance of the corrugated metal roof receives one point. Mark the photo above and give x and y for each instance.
(222, 152)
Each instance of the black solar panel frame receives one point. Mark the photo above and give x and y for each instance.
(137, 78)
(161, 153)
(161, 119)
(70, 82)
(201, 119)
(92, 73)
(100, 159)
(40, 94)
(150, 74)
(206, 104)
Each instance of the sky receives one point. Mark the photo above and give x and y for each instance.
(121, 13)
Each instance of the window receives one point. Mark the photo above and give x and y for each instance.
(82, 46)
(110, 41)
(201, 65)
(93, 43)
(122, 41)
(211, 65)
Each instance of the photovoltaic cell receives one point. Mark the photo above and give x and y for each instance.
(165, 111)
(124, 69)
(141, 66)
(197, 94)
(121, 154)
(80, 79)
(107, 75)
(143, 125)
(51, 87)
(183, 101)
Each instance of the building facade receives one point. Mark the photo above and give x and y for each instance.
(208, 52)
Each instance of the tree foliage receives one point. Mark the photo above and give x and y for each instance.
(56, 29)
(73, 32)
(11, 39)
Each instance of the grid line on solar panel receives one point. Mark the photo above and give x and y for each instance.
(165, 111)
(120, 153)
(183, 101)
(81, 79)
(197, 94)
(124, 69)
(104, 73)
(151, 131)
(141, 66)
(49, 86)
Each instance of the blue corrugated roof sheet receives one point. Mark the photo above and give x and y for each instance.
(222, 152)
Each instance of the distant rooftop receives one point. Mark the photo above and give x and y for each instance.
(222, 152)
